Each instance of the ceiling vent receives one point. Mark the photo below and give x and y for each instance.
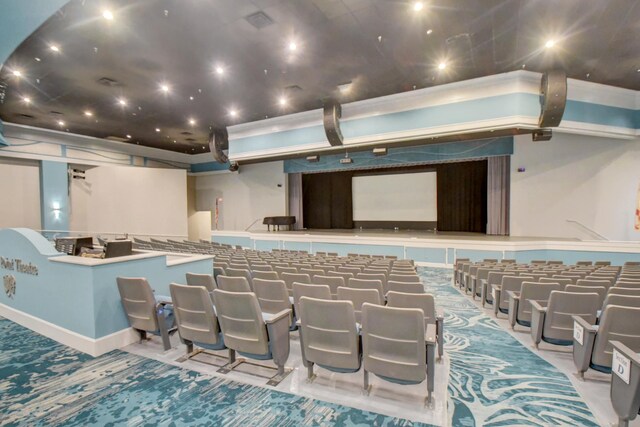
(186, 133)
(56, 113)
(106, 81)
(25, 116)
(259, 20)
(191, 140)
(117, 138)
(293, 89)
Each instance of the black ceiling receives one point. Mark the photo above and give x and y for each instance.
(382, 46)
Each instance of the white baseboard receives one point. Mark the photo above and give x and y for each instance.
(91, 346)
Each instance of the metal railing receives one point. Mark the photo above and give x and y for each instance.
(583, 227)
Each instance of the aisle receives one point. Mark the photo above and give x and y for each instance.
(494, 379)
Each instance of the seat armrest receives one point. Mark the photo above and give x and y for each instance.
(538, 314)
(513, 294)
(439, 314)
(278, 331)
(584, 337)
(273, 318)
(430, 334)
(514, 305)
(535, 305)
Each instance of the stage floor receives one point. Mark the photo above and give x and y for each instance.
(410, 234)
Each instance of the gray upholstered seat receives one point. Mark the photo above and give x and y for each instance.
(145, 312)
(265, 275)
(312, 291)
(260, 267)
(619, 290)
(329, 336)
(334, 282)
(284, 269)
(250, 333)
(520, 304)
(344, 275)
(494, 278)
(600, 290)
(312, 272)
(625, 385)
(239, 272)
(367, 284)
(205, 280)
(426, 303)
(273, 296)
(234, 284)
(406, 287)
(591, 344)
(196, 319)
(623, 300)
(501, 293)
(358, 297)
(395, 346)
(291, 278)
(407, 278)
(382, 277)
(554, 323)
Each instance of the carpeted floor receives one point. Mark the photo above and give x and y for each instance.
(494, 381)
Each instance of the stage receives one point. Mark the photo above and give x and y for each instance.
(438, 249)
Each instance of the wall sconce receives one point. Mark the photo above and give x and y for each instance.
(56, 209)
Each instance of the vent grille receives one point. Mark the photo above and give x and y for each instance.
(259, 20)
(186, 133)
(25, 116)
(293, 89)
(56, 113)
(106, 81)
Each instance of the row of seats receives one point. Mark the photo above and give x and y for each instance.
(342, 324)
(593, 308)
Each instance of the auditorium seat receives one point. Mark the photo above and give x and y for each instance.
(234, 284)
(406, 287)
(273, 297)
(520, 304)
(358, 297)
(591, 344)
(266, 275)
(334, 282)
(501, 293)
(205, 280)
(601, 291)
(251, 333)
(395, 346)
(329, 336)
(145, 311)
(196, 318)
(554, 323)
(623, 300)
(493, 279)
(619, 290)
(426, 303)
(307, 290)
(407, 278)
(625, 393)
(291, 278)
(367, 284)
(345, 276)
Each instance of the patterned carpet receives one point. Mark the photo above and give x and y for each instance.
(494, 380)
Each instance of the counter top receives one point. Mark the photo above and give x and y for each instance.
(171, 259)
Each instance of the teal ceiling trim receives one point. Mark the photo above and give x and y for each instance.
(209, 167)
(406, 156)
(3, 142)
(586, 112)
(19, 19)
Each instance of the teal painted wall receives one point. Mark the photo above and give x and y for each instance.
(54, 196)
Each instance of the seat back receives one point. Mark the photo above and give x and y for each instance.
(291, 278)
(358, 297)
(405, 287)
(628, 283)
(350, 269)
(239, 272)
(281, 269)
(425, 302)
(264, 275)
(272, 295)
(312, 272)
(510, 284)
(345, 276)
(241, 322)
(623, 300)
(534, 291)
(367, 284)
(558, 322)
(260, 267)
(393, 343)
(382, 277)
(600, 290)
(618, 290)
(334, 282)
(330, 335)
(233, 284)
(138, 302)
(557, 279)
(205, 280)
(407, 278)
(617, 323)
(312, 291)
(196, 319)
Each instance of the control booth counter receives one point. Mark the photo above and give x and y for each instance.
(74, 299)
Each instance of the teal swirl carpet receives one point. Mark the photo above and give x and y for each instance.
(494, 380)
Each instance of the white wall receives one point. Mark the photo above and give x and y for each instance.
(588, 179)
(248, 195)
(20, 193)
(130, 200)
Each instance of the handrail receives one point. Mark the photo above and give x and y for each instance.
(120, 233)
(252, 224)
(589, 230)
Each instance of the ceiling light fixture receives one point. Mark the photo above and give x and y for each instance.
(293, 46)
(26, 100)
(157, 129)
(429, 31)
(60, 123)
(108, 15)
(282, 101)
(37, 59)
(442, 66)
(345, 88)
(418, 6)
(219, 70)
(88, 113)
(54, 48)
(192, 122)
(165, 88)
(191, 98)
(550, 44)
(17, 73)
(122, 102)
(233, 113)
(128, 136)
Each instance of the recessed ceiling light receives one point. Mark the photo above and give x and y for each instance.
(165, 88)
(192, 122)
(429, 31)
(88, 113)
(157, 129)
(122, 102)
(293, 46)
(282, 101)
(108, 15)
(345, 88)
(418, 6)
(60, 123)
(550, 44)
(219, 70)
(37, 59)
(17, 73)
(191, 98)
(379, 39)
(26, 100)
(54, 48)
(128, 136)
(442, 66)
(233, 113)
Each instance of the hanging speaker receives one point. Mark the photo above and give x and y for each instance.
(553, 98)
(219, 141)
(331, 120)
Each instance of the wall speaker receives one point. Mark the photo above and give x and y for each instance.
(331, 120)
(219, 141)
(553, 98)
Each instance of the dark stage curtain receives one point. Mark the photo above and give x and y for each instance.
(462, 196)
(327, 200)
